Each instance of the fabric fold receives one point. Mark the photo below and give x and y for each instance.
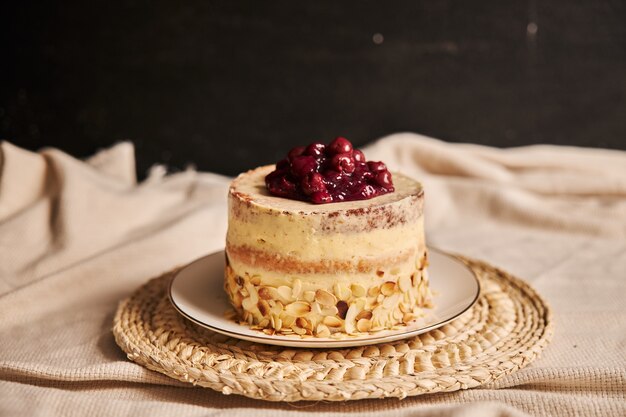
(77, 236)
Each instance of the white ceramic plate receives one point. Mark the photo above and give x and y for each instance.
(197, 293)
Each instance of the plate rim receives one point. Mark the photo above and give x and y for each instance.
(307, 343)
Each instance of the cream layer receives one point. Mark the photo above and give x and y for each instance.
(307, 243)
(312, 281)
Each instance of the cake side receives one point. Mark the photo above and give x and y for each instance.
(300, 268)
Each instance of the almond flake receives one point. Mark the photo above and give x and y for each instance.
(325, 298)
(331, 321)
(263, 307)
(284, 293)
(373, 291)
(365, 314)
(363, 325)
(388, 288)
(297, 288)
(298, 308)
(404, 283)
(342, 292)
(322, 330)
(268, 293)
(358, 290)
(304, 323)
(298, 330)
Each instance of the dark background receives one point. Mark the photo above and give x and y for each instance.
(231, 85)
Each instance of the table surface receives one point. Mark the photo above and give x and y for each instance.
(228, 86)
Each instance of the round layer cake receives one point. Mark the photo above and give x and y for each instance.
(328, 270)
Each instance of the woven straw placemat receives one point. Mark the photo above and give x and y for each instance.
(505, 330)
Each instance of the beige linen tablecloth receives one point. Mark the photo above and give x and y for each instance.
(78, 236)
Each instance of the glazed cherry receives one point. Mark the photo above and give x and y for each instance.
(383, 178)
(294, 152)
(376, 166)
(343, 162)
(328, 173)
(313, 183)
(303, 165)
(321, 197)
(340, 145)
(315, 149)
(282, 164)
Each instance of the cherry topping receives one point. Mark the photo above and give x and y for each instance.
(315, 149)
(294, 152)
(376, 166)
(321, 197)
(340, 145)
(383, 178)
(303, 165)
(313, 183)
(343, 162)
(328, 173)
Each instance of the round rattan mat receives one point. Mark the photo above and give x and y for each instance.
(504, 331)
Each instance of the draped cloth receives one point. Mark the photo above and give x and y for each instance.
(77, 236)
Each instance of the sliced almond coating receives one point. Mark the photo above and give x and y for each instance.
(388, 288)
(316, 308)
(263, 307)
(255, 280)
(288, 320)
(350, 316)
(363, 325)
(264, 323)
(373, 291)
(254, 296)
(269, 332)
(247, 304)
(298, 330)
(297, 288)
(391, 302)
(304, 323)
(268, 293)
(230, 281)
(365, 314)
(331, 321)
(404, 308)
(322, 330)
(408, 317)
(284, 292)
(397, 314)
(404, 283)
(360, 302)
(276, 307)
(278, 323)
(237, 299)
(329, 311)
(298, 308)
(309, 296)
(342, 292)
(325, 298)
(239, 280)
(358, 290)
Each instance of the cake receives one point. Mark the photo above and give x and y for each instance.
(344, 266)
